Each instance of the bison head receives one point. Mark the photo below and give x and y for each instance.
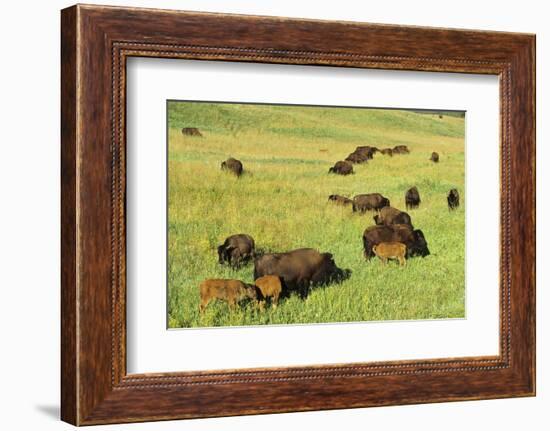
(328, 272)
(385, 202)
(222, 256)
(420, 246)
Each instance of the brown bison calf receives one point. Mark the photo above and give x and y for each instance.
(435, 157)
(387, 152)
(341, 168)
(231, 291)
(390, 250)
(233, 165)
(190, 131)
(269, 286)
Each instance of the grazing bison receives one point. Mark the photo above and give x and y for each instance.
(268, 286)
(231, 291)
(404, 233)
(390, 250)
(412, 198)
(387, 152)
(369, 202)
(341, 168)
(340, 200)
(453, 199)
(236, 250)
(191, 131)
(401, 149)
(366, 150)
(435, 157)
(389, 215)
(299, 269)
(233, 165)
(357, 158)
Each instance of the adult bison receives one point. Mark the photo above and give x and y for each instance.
(191, 131)
(404, 233)
(400, 149)
(412, 198)
(367, 150)
(435, 157)
(357, 158)
(299, 269)
(236, 250)
(340, 200)
(453, 199)
(389, 215)
(369, 202)
(341, 168)
(233, 165)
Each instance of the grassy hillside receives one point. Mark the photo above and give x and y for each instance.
(282, 202)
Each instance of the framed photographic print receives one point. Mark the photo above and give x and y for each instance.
(283, 215)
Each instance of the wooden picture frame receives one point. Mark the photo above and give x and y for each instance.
(95, 43)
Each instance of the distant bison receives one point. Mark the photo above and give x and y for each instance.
(233, 165)
(387, 152)
(390, 250)
(389, 215)
(435, 157)
(340, 200)
(453, 199)
(357, 158)
(341, 168)
(231, 291)
(401, 149)
(404, 233)
(369, 202)
(366, 150)
(268, 287)
(299, 269)
(236, 250)
(412, 198)
(191, 131)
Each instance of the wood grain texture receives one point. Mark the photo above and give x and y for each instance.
(96, 41)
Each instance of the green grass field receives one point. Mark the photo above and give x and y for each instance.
(281, 201)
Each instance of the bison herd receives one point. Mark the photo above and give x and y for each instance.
(279, 274)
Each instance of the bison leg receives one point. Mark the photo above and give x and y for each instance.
(203, 304)
(402, 261)
(275, 300)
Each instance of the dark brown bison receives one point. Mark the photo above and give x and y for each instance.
(401, 149)
(387, 152)
(300, 269)
(231, 291)
(369, 202)
(435, 157)
(236, 250)
(340, 200)
(191, 131)
(268, 287)
(389, 215)
(412, 198)
(341, 168)
(453, 199)
(404, 233)
(357, 158)
(366, 150)
(233, 165)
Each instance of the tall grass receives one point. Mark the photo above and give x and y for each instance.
(281, 201)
